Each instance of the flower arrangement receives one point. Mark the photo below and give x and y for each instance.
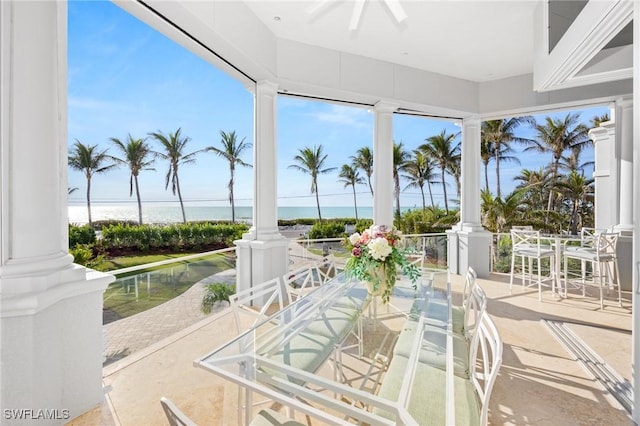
(375, 258)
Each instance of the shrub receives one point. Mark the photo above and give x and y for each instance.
(81, 235)
(327, 230)
(363, 224)
(83, 255)
(216, 292)
(177, 237)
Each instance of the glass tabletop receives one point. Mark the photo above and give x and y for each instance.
(325, 353)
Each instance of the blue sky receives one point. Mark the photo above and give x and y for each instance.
(124, 77)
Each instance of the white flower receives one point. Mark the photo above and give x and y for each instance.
(354, 238)
(379, 248)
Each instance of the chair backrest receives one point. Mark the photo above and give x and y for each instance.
(174, 415)
(469, 283)
(606, 243)
(300, 281)
(485, 359)
(257, 300)
(473, 311)
(328, 269)
(588, 236)
(522, 239)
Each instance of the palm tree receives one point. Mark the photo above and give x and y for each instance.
(534, 186)
(578, 190)
(364, 160)
(499, 215)
(138, 156)
(350, 176)
(87, 159)
(174, 144)
(442, 149)
(419, 171)
(486, 155)
(598, 119)
(400, 158)
(311, 161)
(555, 137)
(500, 133)
(231, 151)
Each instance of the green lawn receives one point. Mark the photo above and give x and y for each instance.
(157, 285)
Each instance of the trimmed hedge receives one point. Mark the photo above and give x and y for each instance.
(327, 230)
(81, 235)
(175, 237)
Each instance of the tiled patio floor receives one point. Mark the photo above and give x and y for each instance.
(540, 383)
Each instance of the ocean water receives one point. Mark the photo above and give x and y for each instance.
(164, 213)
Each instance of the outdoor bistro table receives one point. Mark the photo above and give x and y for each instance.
(558, 242)
(297, 356)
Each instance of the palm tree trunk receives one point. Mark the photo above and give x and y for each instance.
(444, 189)
(486, 176)
(431, 195)
(233, 205)
(422, 193)
(498, 172)
(135, 178)
(397, 191)
(554, 177)
(89, 199)
(184, 217)
(318, 204)
(355, 201)
(369, 181)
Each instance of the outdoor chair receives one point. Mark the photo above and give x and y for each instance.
(174, 415)
(269, 417)
(604, 265)
(258, 301)
(526, 245)
(301, 281)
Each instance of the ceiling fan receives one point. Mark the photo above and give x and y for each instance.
(358, 5)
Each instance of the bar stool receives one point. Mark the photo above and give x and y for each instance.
(526, 245)
(604, 263)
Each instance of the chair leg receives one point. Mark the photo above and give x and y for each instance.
(617, 271)
(513, 264)
(601, 282)
(523, 272)
(539, 280)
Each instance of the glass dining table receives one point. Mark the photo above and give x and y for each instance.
(325, 355)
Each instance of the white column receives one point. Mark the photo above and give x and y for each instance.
(635, 358)
(51, 310)
(469, 243)
(383, 164)
(605, 174)
(470, 177)
(624, 140)
(265, 191)
(263, 251)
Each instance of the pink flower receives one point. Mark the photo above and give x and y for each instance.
(365, 237)
(356, 252)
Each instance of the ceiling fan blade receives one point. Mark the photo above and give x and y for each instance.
(396, 10)
(357, 13)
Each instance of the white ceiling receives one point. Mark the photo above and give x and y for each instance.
(473, 40)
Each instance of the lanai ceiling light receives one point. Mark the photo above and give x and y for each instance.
(358, 5)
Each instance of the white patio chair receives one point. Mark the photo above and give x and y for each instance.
(257, 301)
(526, 245)
(269, 417)
(485, 357)
(604, 261)
(174, 415)
(301, 281)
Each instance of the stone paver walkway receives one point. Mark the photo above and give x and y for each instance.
(128, 335)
